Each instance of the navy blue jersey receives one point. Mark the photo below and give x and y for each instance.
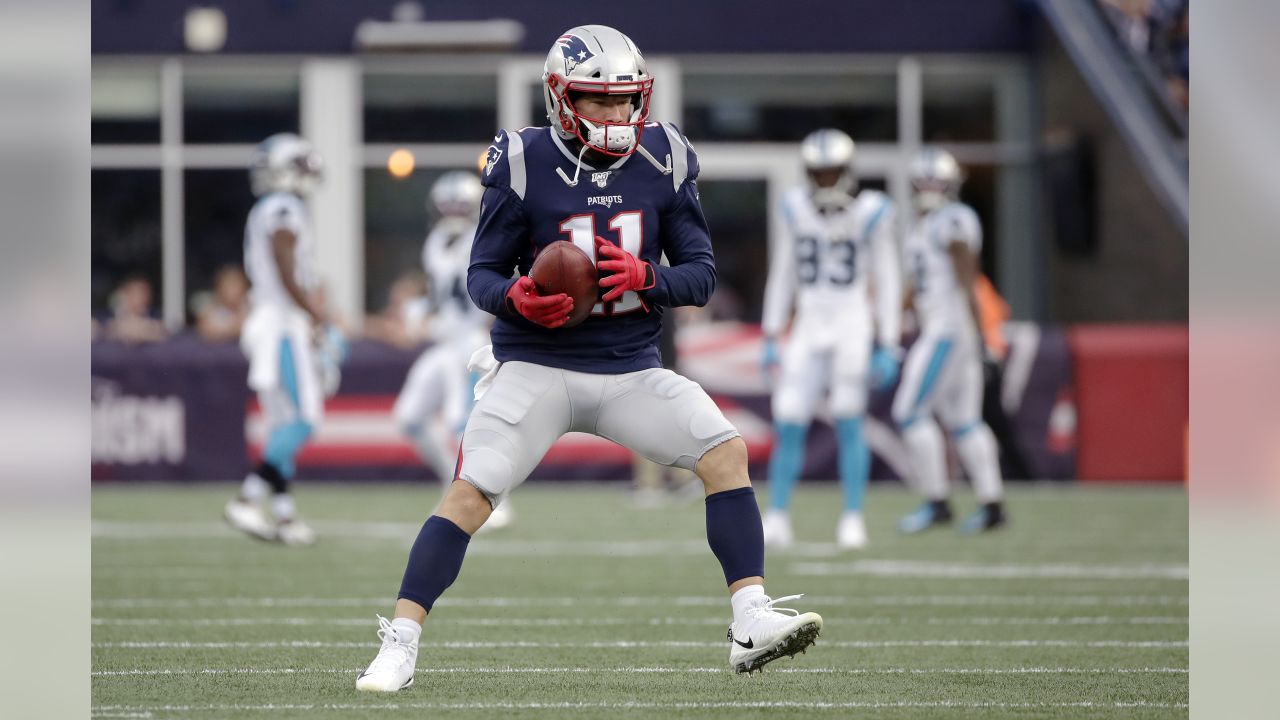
(528, 205)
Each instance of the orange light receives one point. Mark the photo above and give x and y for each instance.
(400, 164)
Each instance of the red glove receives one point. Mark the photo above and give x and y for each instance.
(551, 311)
(628, 272)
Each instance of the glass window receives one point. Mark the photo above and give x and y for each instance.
(396, 220)
(959, 107)
(238, 105)
(430, 108)
(217, 202)
(979, 192)
(125, 105)
(737, 214)
(126, 231)
(785, 108)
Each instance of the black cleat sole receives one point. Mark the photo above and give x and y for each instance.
(798, 641)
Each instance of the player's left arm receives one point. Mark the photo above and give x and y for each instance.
(965, 264)
(964, 234)
(691, 277)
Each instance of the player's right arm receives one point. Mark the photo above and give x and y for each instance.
(780, 287)
(502, 235)
(284, 224)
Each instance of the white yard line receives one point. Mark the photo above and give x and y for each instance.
(633, 601)
(973, 571)
(612, 621)
(102, 710)
(630, 644)
(658, 670)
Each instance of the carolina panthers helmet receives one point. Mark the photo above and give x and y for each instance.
(457, 194)
(596, 59)
(829, 149)
(936, 178)
(285, 162)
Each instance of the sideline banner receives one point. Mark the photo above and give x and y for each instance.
(180, 410)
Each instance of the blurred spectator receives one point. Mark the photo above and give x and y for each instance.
(221, 313)
(132, 318)
(402, 322)
(1158, 30)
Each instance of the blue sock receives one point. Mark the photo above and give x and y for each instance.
(854, 462)
(283, 445)
(735, 533)
(434, 561)
(786, 462)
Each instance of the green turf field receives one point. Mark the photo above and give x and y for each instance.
(588, 608)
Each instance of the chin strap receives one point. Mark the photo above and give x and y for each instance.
(664, 169)
(576, 172)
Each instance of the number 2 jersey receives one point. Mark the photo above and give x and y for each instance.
(826, 263)
(528, 205)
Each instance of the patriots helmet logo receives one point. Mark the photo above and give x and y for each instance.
(575, 51)
(491, 158)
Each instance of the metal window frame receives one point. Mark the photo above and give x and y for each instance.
(1020, 271)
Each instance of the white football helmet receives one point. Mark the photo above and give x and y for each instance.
(830, 149)
(457, 194)
(596, 59)
(285, 162)
(936, 178)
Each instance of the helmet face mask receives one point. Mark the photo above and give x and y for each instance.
(285, 163)
(828, 160)
(936, 178)
(594, 59)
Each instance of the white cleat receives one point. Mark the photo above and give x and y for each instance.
(249, 518)
(851, 533)
(501, 517)
(777, 530)
(393, 667)
(295, 532)
(768, 633)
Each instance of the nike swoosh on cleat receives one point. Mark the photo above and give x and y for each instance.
(746, 645)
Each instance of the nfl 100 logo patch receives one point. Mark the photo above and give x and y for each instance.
(601, 178)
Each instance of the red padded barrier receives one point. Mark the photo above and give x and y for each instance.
(1131, 399)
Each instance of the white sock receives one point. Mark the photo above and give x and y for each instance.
(746, 597)
(282, 506)
(929, 456)
(254, 488)
(980, 457)
(407, 631)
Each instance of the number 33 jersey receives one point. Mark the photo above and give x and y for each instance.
(827, 264)
(530, 202)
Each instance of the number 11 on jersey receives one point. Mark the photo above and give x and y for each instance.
(630, 228)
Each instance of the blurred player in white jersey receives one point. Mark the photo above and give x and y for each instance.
(290, 374)
(837, 261)
(436, 399)
(942, 375)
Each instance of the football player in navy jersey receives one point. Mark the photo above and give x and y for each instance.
(623, 190)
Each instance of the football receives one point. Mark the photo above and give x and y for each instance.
(563, 267)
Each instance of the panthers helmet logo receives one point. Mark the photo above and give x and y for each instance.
(575, 51)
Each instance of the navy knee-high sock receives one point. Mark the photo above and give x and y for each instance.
(434, 561)
(735, 534)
